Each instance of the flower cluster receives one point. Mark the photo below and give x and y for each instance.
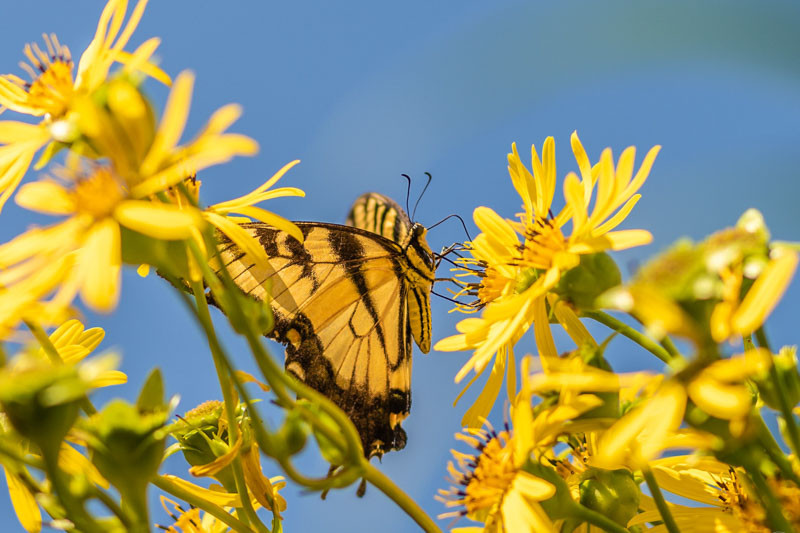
(584, 442)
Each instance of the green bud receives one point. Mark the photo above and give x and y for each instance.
(293, 433)
(329, 451)
(595, 274)
(126, 446)
(788, 380)
(612, 493)
(41, 401)
(200, 439)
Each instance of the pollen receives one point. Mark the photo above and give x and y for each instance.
(98, 194)
(51, 88)
(481, 480)
(543, 242)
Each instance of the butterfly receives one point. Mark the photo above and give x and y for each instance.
(347, 302)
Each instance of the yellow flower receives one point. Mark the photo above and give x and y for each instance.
(85, 249)
(521, 263)
(719, 389)
(736, 270)
(491, 485)
(82, 254)
(726, 504)
(52, 92)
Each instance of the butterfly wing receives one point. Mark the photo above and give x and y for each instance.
(340, 301)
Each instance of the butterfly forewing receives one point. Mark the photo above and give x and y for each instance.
(347, 302)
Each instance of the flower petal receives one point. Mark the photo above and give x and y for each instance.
(157, 220)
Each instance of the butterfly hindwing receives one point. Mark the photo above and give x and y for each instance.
(342, 302)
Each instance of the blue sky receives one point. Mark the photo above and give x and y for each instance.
(364, 91)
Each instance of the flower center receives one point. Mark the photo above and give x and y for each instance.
(543, 240)
(492, 476)
(51, 88)
(98, 194)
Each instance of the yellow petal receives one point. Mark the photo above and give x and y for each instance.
(24, 504)
(45, 197)
(223, 499)
(157, 220)
(720, 400)
(765, 293)
(74, 462)
(240, 237)
(273, 220)
(479, 411)
(493, 224)
(172, 123)
(244, 377)
(100, 263)
(108, 378)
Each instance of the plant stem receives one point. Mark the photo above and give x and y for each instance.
(785, 408)
(597, 519)
(661, 503)
(204, 318)
(639, 338)
(771, 505)
(213, 509)
(387, 486)
(74, 508)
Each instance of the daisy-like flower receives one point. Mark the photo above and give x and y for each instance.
(715, 270)
(52, 91)
(82, 254)
(725, 502)
(720, 390)
(521, 263)
(490, 485)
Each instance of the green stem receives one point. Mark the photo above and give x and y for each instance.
(666, 342)
(639, 338)
(597, 519)
(387, 486)
(112, 506)
(74, 508)
(771, 504)
(661, 503)
(192, 499)
(55, 358)
(786, 409)
(204, 317)
(767, 441)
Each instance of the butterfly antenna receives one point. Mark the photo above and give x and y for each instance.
(453, 216)
(425, 188)
(408, 190)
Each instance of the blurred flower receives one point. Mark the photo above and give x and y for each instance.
(84, 249)
(726, 504)
(719, 390)
(52, 93)
(83, 253)
(191, 520)
(516, 275)
(712, 291)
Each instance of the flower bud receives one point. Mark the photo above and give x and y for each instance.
(613, 493)
(581, 285)
(41, 401)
